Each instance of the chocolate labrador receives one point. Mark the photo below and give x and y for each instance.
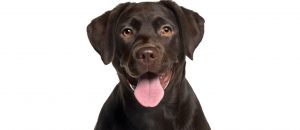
(147, 43)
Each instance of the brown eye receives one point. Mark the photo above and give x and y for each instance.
(127, 32)
(166, 31)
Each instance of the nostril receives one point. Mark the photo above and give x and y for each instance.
(140, 56)
(152, 55)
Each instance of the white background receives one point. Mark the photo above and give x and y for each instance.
(245, 72)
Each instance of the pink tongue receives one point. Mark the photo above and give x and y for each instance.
(149, 92)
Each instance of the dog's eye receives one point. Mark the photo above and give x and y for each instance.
(127, 32)
(166, 31)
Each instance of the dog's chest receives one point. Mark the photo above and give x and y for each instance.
(152, 120)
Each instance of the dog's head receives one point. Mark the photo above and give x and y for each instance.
(146, 41)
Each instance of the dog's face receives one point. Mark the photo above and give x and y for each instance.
(146, 41)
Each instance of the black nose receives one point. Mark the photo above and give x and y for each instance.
(147, 55)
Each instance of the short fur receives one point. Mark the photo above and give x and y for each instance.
(179, 109)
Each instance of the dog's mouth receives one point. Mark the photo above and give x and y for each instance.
(149, 87)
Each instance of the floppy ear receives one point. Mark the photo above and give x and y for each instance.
(191, 26)
(100, 33)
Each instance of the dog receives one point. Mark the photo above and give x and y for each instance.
(147, 44)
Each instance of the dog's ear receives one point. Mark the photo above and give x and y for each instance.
(194, 31)
(191, 26)
(100, 33)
